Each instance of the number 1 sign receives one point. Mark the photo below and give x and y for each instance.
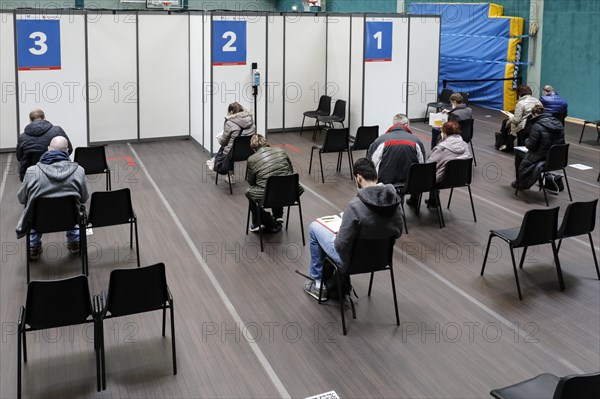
(378, 40)
(229, 43)
(38, 44)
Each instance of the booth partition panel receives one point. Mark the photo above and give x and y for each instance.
(207, 134)
(274, 74)
(355, 105)
(196, 79)
(8, 106)
(338, 60)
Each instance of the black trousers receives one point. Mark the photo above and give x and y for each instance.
(266, 218)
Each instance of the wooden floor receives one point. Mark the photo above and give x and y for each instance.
(244, 326)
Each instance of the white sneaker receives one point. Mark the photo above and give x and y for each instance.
(502, 147)
(211, 164)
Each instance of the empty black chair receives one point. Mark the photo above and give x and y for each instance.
(579, 219)
(54, 304)
(280, 191)
(55, 214)
(458, 173)
(323, 109)
(421, 179)
(538, 228)
(597, 123)
(365, 136)
(110, 208)
(442, 102)
(549, 386)
(132, 291)
(32, 159)
(338, 115)
(557, 159)
(336, 140)
(368, 256)
(240, 151)
(93, 161)
(466, 132)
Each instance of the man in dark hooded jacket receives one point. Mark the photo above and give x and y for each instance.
(36, 139)
(374, 213)
(545, 132)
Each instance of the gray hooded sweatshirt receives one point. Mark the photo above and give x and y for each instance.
(452, 148)
(374, 214)
(59, 179)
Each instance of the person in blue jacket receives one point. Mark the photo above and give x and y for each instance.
(554, 104)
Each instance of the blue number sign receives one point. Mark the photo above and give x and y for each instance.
(378, 40)
(229, 43)
(38, 44)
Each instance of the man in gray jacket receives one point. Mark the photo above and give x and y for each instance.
(374, 213)
(54, 176)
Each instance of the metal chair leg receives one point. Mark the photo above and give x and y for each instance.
(512, 256)
(321, 165)
(301, 222)
(472, 204)
(350, 165)
(341, 299)
(487, 250)
(593, 253)
(568, 188)
(522, 257)
(394, 293)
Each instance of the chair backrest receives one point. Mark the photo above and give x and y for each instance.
(557, 158)
(241, 149)
(34, 157)
(51, 214)
(365, 136)
(578, 386)
(336, 140)
(58, 303)
(466, 129)
(324, 105)
(137, 290)
(371, 255)
(108, 208)
(538, 227)
(91, 159)
(421, 178)
(445, 95)
(281, 191)
(458, 173)
(580, 218)
(339, 109)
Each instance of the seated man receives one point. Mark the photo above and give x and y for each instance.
(459, 112)
(36, 139)
(265, 162)
(394, 152)
(554, 104)
(374, 213)
(54, 176)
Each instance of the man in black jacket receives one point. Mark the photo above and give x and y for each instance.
(36, 139)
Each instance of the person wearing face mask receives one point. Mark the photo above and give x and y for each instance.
(374, 213)
(459, 112)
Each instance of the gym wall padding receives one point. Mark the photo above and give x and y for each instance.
(196, 79)
(355, 106)
(60, 93)
(274, 74)
(163, 75)
(112, 76)
(8, 104)
(338, 61)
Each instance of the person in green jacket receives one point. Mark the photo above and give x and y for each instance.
(265, 162)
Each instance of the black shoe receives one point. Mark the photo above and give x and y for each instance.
(513, 184)
(411, 201)
(274, 229)
(431, 203)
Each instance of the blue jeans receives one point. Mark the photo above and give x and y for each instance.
(321, 244)
(35, 238)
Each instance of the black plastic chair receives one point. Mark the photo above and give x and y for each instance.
(280, 191)
(557, 159)
(538, 228)
(111, 208)
(549, 386)
(56, 214)
(579, 219)
(323, 109)
(466, 132)
(336, 140)
(458, 173)
(32, 159)
(421, 179)
(240, 151)
(597, 123)
(338, 115)
(54, 304)
(365, 136)
(93, 161)
(133, 291)
(368, 256)
(442, 102)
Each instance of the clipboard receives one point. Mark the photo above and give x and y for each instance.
(332, 222)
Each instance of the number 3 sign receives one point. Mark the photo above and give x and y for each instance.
(38, 44)
(378, 39)
(229, 43)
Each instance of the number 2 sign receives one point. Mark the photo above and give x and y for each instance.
(229, 43)
(38, 44)
(378, 40)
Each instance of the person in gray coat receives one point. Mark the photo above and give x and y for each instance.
(374, 213)
(238, 122)
(54, 176)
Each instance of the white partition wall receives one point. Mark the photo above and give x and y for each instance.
(274, 74)
(305, 60)
(355, 107)
(8, 104)
(196, 78)
(112, 76)
(423, 64)
(61, 89)
(207, 87)
(338, 60)
(163, 75)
